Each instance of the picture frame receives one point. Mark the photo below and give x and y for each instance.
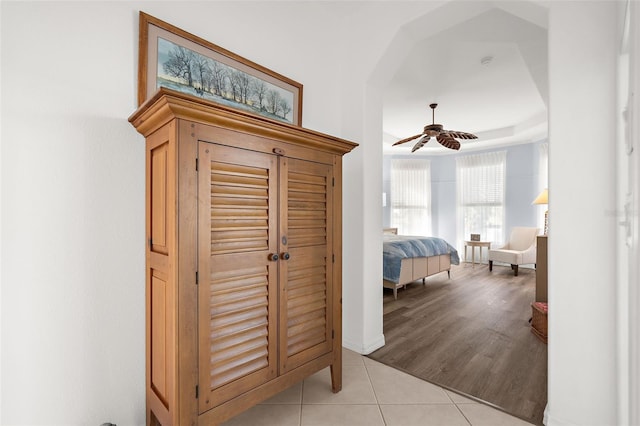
(475, 237)
(171, 57)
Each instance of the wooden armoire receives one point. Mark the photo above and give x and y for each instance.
(243, 258)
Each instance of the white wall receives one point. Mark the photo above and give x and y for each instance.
(582, 338)
(73, 217)
(632, 369)
(628, 191)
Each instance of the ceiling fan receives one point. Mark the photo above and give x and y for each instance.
(444, 137)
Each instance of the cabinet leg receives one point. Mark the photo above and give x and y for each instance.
(336, 376)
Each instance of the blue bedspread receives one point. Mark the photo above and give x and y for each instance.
(398, 247)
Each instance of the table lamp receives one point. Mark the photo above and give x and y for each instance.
(543, 198)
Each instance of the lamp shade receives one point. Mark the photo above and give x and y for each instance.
(542, 198)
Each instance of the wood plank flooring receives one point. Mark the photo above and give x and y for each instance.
(471, 334)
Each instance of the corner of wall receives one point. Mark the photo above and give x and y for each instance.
(364, 348)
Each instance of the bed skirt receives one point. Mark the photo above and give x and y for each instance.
(416, 268)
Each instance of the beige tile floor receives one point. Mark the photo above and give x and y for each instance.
(372, 394)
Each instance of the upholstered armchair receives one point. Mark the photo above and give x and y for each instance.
(519, 250)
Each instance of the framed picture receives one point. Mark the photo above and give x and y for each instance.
(173, 58)
(475, 237)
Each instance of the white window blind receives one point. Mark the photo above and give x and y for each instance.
(481, 193)
(411, 196)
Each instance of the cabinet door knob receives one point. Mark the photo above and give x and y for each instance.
(285, 255)
(273, 257)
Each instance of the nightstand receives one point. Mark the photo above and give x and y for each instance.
(473, 245)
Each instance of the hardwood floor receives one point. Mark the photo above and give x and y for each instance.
(471, 334)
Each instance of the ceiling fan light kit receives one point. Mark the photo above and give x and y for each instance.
(444, 137)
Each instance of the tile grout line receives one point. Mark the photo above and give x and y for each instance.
(373, 388)
(447, 393)
(461, 412)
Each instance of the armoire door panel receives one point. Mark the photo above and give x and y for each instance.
(158, 180)
(305, 278)
(238, 283)
(161, 312)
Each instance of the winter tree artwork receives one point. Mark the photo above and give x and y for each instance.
(175, 59)
(182, 69)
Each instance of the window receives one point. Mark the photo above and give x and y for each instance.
(481, 189)
(411, 196)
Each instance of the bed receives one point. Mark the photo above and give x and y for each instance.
(410, 258)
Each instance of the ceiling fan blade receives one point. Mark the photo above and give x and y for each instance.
(460, 135)
(407, 139)
(447, 141)
(420, 143)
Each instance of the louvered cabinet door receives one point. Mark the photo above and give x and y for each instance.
(237, 290)
(306, 201)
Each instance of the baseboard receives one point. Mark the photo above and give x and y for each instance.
(549, 420)
(364, 348)
(545, 416)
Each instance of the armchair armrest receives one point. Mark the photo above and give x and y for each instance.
(502, 247)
